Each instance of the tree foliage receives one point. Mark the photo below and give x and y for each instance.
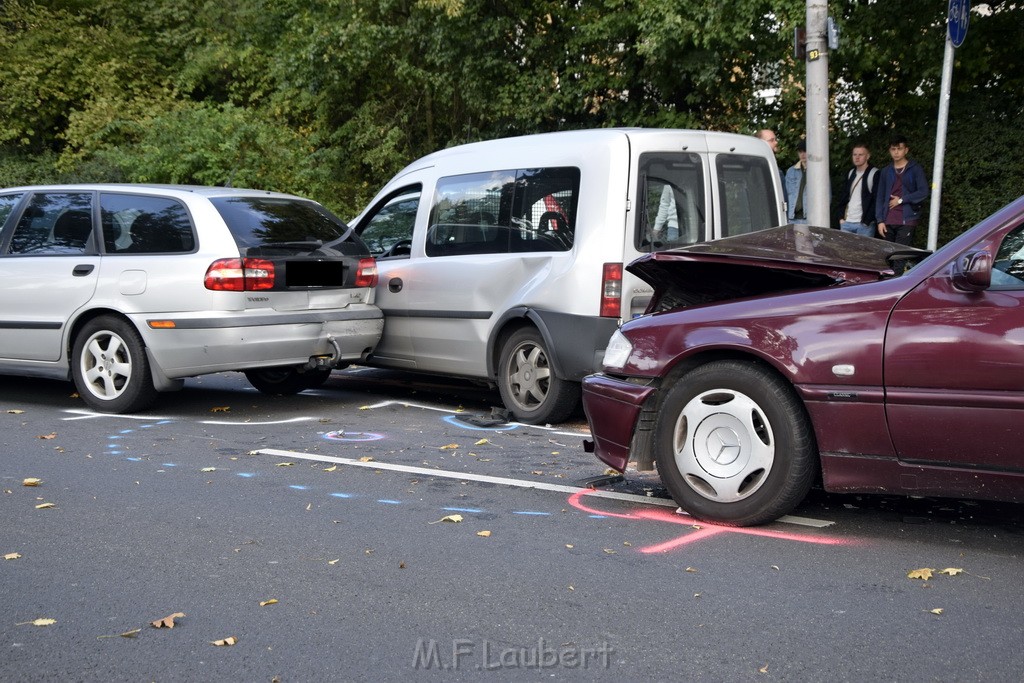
(330, 98)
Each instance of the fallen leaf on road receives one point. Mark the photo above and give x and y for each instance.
(168, 621)
(220, 409)
(449, 447)
(44, 506)
(271, 601)
(331, 468)
(923, 574)
(536, 471)
(208, 469)
(691, 570)
(570, 546)
(31, 481)
(764, 669)
(951, 571)
(334, 562)
(937, 610)
(481, 442)
(285, 464)
(449, 518)
(12, 556)
(126, 634)
(39, 622)
(609, 551)
(15, 412)
(366, 458)
(226, 642)
(401, 565)
(51, 435)
(485, 534)
(364, 407)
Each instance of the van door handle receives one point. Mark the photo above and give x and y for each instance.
(82, 269)
(395, 284)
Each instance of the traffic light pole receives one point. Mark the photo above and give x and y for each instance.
(818, 181)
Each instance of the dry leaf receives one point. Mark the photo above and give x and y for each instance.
(168, 621)
(569, 545)
(951, 571)
(691, 570)
(481, 442)
(572, 588)
(609, 551)
(51, 435)
(696, 595)
(12, 556)
(31, 481)
(449, 447)
(220, 409)
(366, 458)
(226, 642)
(764, 669)
(44, 622)
(44, 506)
(364, 407)
(15, 412)
(401, 565)
(923, 574)
(271, 601)
(536, 471)
(334, 562)
(331, 468)
(485, 534)
(937, 610)
(285, 464)
(775, 567)
(208, 469)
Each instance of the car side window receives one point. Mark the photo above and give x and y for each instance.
(7, 203)
(388, 232)
(138, 224)
(54, 223)
(1008, 269)
(507, 211)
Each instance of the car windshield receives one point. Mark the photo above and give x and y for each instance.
(280, 223)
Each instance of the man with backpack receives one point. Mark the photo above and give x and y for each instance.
(857, 197)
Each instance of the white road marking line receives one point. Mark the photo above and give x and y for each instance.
(504, 481)
(407, 404)
(247, 422)
(89, 415)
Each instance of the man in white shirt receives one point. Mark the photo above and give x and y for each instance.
(858, 194)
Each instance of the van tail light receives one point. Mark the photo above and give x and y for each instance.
(240, 275)
(366, 273)
(611, 290)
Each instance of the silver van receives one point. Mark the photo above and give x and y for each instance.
(503, 260)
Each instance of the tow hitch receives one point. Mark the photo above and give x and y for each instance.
(325, 360)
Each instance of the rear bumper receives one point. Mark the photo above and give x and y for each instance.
(613, 408)
(203, 343)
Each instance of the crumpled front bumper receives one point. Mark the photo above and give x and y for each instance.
(613, 407)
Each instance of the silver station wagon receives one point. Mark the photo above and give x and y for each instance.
(129, 289)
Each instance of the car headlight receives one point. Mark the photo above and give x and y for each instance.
(617, 352)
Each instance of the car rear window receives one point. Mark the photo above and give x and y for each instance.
(7, 202)
(288, 224)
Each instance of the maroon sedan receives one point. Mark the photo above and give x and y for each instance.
(768, 359)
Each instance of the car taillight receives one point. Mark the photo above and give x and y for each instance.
(240, 275)
(366, 273)
(611, 290)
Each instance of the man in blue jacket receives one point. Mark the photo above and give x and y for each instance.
(902, 189)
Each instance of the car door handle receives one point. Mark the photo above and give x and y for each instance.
(82, 269)
(395, 284)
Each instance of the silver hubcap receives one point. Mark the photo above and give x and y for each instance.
(724, 446)
(528, 375)
(106, 365)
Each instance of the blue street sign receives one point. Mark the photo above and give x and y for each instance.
(959, 17)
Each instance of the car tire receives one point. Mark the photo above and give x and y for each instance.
(733, 444)
(110, 367)
(286, 381)
(527, 382)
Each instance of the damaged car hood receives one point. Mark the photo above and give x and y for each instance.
(789, 257)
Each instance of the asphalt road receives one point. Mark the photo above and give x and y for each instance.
(340, 505)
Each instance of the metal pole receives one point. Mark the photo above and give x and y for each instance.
(940, 147)
(818, 182)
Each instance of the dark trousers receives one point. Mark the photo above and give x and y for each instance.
(900, 234)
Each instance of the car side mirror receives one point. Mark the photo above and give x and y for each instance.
(972, 272)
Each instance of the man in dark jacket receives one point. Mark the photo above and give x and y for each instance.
(902, 190)
(857, 196)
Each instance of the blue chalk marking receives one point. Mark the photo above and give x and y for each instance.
(389, 502)
(247, 475)
(342, 495)
(531, 513)
(353, 436)
(598, 516)
(112, 437)
(462, 509)
(134, 459)
(126, 431)
(454, 420)
(169, 464)
(114, 452)
(298, 487)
